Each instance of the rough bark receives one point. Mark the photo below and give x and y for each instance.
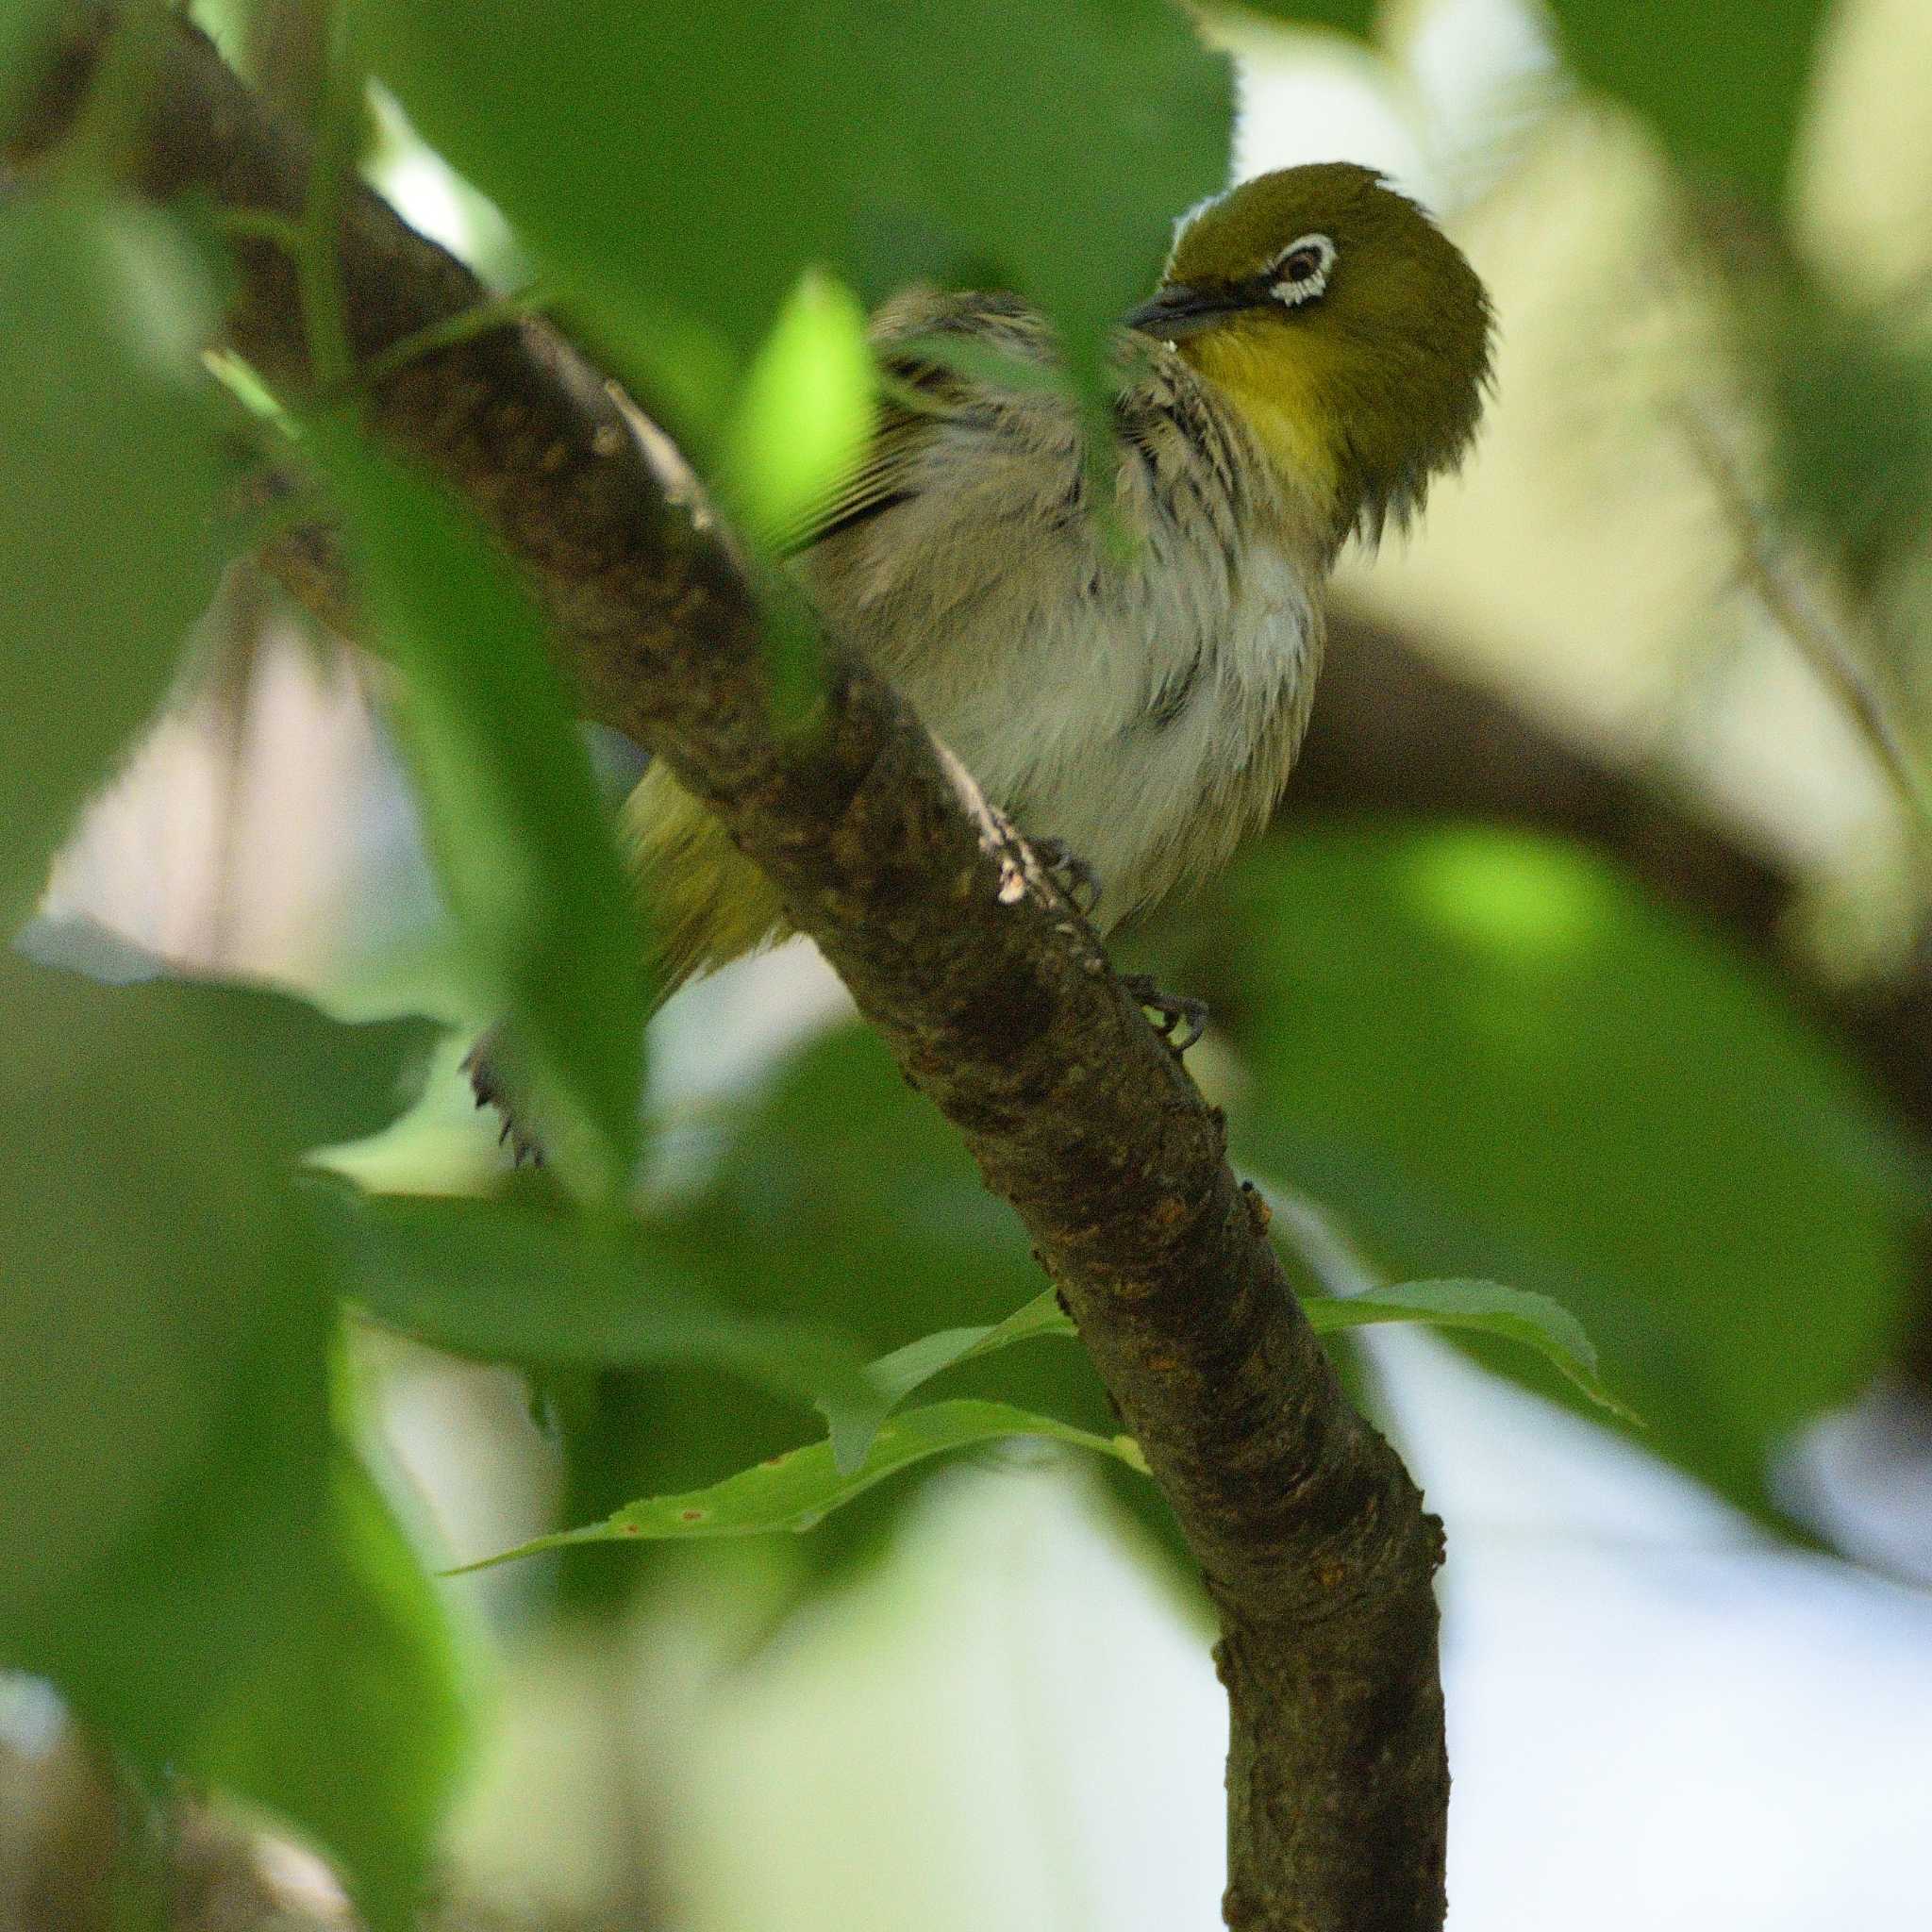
(983, 982)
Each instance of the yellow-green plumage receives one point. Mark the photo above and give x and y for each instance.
(1143, 702)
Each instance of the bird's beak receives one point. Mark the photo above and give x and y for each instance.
(1179, 311)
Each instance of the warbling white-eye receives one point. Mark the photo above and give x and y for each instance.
(1317, 351)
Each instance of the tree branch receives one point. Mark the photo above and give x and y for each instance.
(990, 992)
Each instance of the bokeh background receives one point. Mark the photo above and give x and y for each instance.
(1588, 954)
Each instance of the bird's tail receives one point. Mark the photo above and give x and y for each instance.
(705, 901)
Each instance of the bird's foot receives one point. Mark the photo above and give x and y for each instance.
(486, 1083)
(1179, 1021)
(1071, 873)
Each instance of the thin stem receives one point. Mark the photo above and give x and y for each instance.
(453, 330)
(1796, 611)
(259, 224)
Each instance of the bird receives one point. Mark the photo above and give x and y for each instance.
(1129, 688)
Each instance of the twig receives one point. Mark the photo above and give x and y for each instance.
(1797, 611)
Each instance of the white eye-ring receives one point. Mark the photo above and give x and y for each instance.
(1301, 270)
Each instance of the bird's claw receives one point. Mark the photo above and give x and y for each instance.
(487, 1084)
(1171, 1012)
(1071, 873)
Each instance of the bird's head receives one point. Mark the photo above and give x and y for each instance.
(1347, 330)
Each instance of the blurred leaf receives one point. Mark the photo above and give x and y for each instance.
(26, 28)
(896, 1375)
(804, 413)
(1533, 1321)
(695, 159)
(164, 1332)
(314, 1081)
(512, 1282)
(352, 1726)
(1723, 86)
(523, 846)
(1356, 17)
(109, 474)
(1496, 1059)
(1851, 416)
(797, 1490)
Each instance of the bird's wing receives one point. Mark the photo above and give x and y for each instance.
(942, 358)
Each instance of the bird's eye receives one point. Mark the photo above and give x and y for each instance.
(1301, 270)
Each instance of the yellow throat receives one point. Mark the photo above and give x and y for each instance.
(1276, 388)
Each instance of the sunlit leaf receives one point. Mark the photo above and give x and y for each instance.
(803, 414)
(797, 1490)
(109, 477)
(523, 846)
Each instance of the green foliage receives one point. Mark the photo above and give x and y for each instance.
(1496, 1059)
(355, 1723)
(522, 844)
(804, 413)
(1850, 404)
(514, 1281)
(897, 1374)
(837, 1199)
(1356, 17)
(172, 1551)
(24, 25)
(1725, 86)
(798, 1488)
(108, 470)
(1486, 1050)
(1486, 1307)
(691, 162)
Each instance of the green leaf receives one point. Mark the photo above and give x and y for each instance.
(1356, 17)
(896, 1375)
(1043, 149)
(522, 844)
(109, 477)
(1353, 1295)
(1850, 409)
(1723, 86)
(1533, 1321)
(353, 1725)
(164, 1333)
(512, 1282)
(29, 39)
(795, 1491)
(1497, 1060)
(804, 413)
